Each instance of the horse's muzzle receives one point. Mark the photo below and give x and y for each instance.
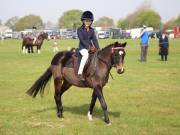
(120, 68)
(120, 71)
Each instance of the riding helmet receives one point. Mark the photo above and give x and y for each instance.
(34, 27)
(87, 15)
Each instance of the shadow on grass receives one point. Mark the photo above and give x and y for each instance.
(81, 110)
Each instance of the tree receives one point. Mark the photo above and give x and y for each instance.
(123, 23)
(141, 17)
(169, 24)
(172, 23)
(29, 21)
(177, 21)
(147, 17)
(70, 19)
(104, 22)
(11, 22)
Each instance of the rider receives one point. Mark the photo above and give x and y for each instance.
(34, 34)
(87, 40)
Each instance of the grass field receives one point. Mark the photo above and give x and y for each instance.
(145, 100)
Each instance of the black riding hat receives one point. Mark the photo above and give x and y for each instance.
(34, 27)
(87, 15)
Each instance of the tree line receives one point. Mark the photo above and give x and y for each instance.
(71, 19)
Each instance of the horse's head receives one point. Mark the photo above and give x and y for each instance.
(44, 35)
(118, 54)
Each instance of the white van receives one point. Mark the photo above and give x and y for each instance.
(103, 34)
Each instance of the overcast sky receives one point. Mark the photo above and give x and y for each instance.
(51, 10)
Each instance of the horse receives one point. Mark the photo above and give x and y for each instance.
(27, 44)
(96, 75)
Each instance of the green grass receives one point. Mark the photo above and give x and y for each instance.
(145, 100)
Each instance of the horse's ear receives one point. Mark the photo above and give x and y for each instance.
(116, 43)
(124, 44)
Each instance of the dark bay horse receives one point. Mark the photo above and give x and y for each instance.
(96, 76)
(27, 44)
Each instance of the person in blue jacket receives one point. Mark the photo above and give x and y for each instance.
(144, 44)
(87, 40)
(163, 46)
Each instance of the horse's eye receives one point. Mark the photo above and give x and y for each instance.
(121, 52)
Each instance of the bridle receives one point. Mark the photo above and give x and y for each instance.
(115, 48)
(112, 52)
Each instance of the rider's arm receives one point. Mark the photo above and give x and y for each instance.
(95, 41)
(142, 32)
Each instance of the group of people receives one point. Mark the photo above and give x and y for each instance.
(163, 45)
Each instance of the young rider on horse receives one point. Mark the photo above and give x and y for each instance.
(34, 34)
(87, 40)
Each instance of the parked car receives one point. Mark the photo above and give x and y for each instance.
(103, 34)
(8, 34)
(74, 35)
(154, 34)
(1, 36)
(125, 35)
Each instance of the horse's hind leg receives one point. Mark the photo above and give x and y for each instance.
(60, 88)
(31, 47)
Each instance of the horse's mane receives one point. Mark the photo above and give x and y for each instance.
(107, 47)
(41, 34)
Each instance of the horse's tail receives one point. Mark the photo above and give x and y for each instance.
(40, 84)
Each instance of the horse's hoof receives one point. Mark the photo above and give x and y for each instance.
(108, 124)
(61, 118)
(89, 116)
(60, 115)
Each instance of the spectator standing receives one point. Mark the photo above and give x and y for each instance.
(144, 44)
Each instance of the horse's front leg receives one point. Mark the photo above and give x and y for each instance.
(29, 49)
(103, 104)
(38, 49)
(91, 107)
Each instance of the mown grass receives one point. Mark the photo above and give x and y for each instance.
(145, 100)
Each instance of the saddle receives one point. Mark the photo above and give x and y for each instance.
(89, 68)
(32, 38)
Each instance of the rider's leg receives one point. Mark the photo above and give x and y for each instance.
(85, 54)
(34, 41)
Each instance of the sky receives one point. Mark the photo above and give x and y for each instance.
(51, 10)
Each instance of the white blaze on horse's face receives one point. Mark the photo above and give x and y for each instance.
(121, 53)
(120, 68)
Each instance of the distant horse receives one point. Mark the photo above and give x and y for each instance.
(96, 75)
(27, 44)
